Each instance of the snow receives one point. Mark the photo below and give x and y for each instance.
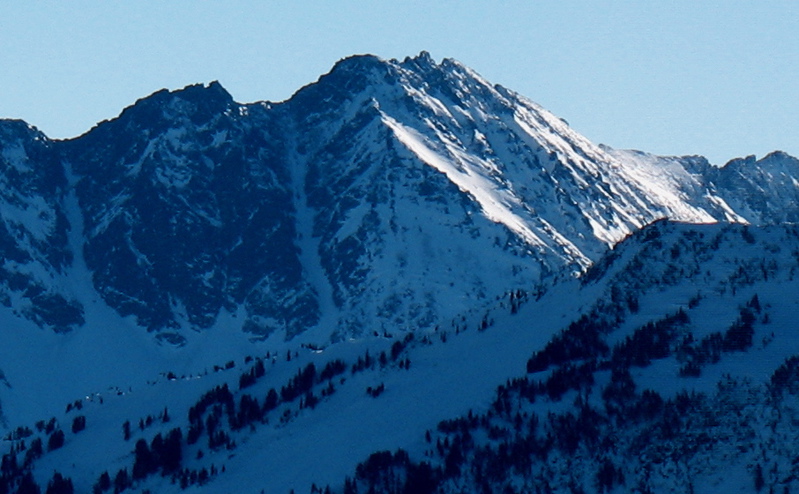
(437, 267)
(31, 215)
(495, 204)
(445, 380)
(15, 155)
(341, 431)
(309, 249)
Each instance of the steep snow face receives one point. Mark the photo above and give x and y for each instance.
(401, 243)
(679, 185)
(33, 229)
(557, 187)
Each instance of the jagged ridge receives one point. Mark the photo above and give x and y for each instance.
(354, 206)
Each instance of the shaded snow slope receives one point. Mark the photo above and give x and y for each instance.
(710, 273)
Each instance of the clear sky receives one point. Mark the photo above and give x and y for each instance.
(717, 78)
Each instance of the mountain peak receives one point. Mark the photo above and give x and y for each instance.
(11, 127)
(201, 95)
(738, 162)
(211, 91)
(424, 56)
(349, 75)
(422, 61)
(778, 155)
(195, 102)
(360, 63)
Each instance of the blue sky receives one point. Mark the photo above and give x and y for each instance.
(717, 78)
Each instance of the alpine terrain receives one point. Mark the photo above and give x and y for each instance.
(403, 279)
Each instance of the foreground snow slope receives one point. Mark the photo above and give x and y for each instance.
(708, 272)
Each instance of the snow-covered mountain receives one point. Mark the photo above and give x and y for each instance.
(404, 207)
(34, 227)
(671, 366)
(385, 196)
(675, 370)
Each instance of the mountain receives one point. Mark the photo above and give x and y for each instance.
(188, 210)
(33, 233)
(674, 371)
(754, 187)
(670, 366)
(381, 251)
(354, 206)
